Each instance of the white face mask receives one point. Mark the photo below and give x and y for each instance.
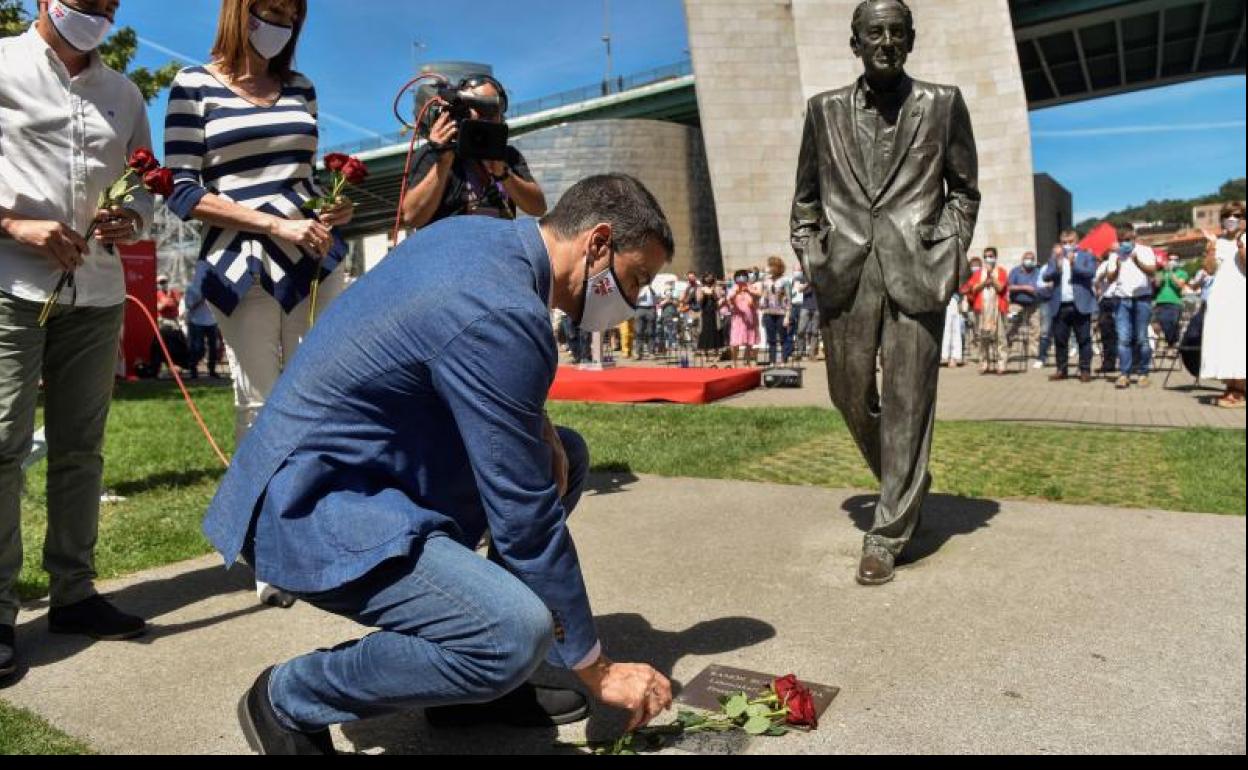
(267, 38)
(1231, 224)
(604, 306)
(83, 31)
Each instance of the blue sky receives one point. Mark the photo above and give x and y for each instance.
(1170, 142)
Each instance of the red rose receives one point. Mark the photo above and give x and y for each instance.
(159, 181)
(798, 700)
(355, 171)
(335, 161)
(143, 161)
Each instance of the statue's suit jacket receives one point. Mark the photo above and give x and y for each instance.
(920, 219)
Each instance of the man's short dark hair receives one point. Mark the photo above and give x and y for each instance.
(861, 9)
(1125, 229)
(992, 249)
(619, 200)
(1068, 231)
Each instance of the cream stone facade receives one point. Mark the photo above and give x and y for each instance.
(758, 61)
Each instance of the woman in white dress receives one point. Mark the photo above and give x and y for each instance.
(1222, 350)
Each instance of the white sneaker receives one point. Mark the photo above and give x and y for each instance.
(273, 596)
(1037, 364)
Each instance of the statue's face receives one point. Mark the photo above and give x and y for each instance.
(882, 39)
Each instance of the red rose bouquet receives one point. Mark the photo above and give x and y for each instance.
(343, 170)
(142, 172)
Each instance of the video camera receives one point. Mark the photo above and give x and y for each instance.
(477, 139)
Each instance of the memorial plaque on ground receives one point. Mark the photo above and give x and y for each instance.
(716, 681)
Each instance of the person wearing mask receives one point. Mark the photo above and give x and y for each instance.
(1132, 266)
(986, 289)
(1024, 306)
(775, 292)
(1223, 346)
(366, 486)
(68, 126)
(1171, 281)
(688, 306)
(1073, 303)
(443, 185)
(241, 139)
(743, 301)
(669, 319)
(168, 317)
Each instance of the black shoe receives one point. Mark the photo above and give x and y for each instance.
(266, 735)
(526, 706)
(8, 651)
(96, 618)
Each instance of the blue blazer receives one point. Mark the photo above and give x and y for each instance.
(414, 407)
(1081, 281)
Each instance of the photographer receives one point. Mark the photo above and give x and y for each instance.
(443, 184)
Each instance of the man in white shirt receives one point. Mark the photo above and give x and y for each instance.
(1108, 293)
(68, 125)
(1130, 268)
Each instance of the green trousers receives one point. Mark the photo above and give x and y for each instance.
(76, 357)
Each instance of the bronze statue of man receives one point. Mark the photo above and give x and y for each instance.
(883, 214)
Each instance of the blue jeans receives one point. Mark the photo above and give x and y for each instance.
(1135, 356)
(1169, 316)
(776, 334)
(453, 627)
(203, 340)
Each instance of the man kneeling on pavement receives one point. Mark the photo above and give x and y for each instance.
(411, 423)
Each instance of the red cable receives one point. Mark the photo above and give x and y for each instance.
(174, 369)
(411, 147)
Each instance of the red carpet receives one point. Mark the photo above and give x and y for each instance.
(639, 384)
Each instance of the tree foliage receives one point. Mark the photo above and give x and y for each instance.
(1170, 211)
(118, 50)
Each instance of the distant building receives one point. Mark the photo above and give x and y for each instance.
(1053, 213)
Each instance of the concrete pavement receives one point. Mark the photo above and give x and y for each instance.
(1017, 627)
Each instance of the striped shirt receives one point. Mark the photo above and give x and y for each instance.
(259, 157)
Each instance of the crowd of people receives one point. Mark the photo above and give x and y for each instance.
(1127, 301)
(714, 322)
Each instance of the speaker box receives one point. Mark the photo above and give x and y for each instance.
(782, 377)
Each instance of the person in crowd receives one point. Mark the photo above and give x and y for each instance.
(1071, 274)
(688, 305)
(1044, 296)
(241, 139)
(969, 319)
(202, 333)
(646, 319)
(986, 289)
(1171, 283)
(1223, 345)
(1132, 266)
(951, 341)
(365, 487)
(1108, 297)
(808, 318)
(1024, 283)
(775, 291)
(1201, 283)
(68, 125)
(168, 318)
(795, 340)
(443, 185)
(709, 298)
(743, 300)
(669, 319)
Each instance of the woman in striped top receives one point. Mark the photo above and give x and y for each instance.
(241, 138)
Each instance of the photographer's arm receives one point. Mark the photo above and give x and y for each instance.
(421, 200)
(519, 183)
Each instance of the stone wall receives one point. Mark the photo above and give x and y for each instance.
(1054, 213)
(668, 158)
(799, 48)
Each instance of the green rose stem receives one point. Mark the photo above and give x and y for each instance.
(340, 181)
(107, 200)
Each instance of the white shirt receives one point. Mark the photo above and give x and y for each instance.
(63, 141)
(1132, 281)
(1066, 288)
(1106, 288)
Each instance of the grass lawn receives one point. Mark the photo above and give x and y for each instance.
(21, 732)
(156, 458)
